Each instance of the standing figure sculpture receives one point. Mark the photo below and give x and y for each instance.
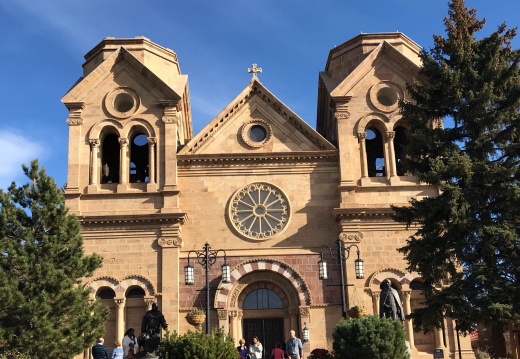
(153, 320)
(390, 304)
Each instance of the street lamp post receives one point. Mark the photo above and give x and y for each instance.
(207, 258)
(340, 258)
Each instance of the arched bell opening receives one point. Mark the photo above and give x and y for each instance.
(110, 158)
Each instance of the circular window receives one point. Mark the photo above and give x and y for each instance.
(122, 102)
(256, 133)
(385, 96)
(259, 211)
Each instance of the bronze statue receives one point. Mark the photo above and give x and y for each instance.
(150, 335)
(390, 304)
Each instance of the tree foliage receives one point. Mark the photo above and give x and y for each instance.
(44, 310)
(467, 245)
(370, 337)
(196, 345)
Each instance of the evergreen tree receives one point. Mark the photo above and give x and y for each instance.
(467, 245)
(44, 310)
(369, 337)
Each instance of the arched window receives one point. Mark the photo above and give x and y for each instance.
(262, 299)
(416, 285)
(139, 169)
(400, 140)
(106, 293)
(136, 292)
(375, 153)
(110, 156)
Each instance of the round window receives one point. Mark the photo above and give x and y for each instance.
(256, 133)
(122, 102)
(385, 96)
(259, 211)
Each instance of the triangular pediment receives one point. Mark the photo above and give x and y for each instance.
(382, 61)
(256, 122)
(120, 64)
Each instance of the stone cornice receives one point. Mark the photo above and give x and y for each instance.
(358, 213)
(257, 158)
(146, 218)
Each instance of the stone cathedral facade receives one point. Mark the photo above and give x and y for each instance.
(257, 182)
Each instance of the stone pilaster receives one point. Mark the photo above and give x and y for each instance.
(171, 120)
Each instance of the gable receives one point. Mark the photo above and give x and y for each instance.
(122, 60)
(256, 122)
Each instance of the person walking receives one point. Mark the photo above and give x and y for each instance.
(256, 349)
(117, 353)
(294, 347)
(100, 351)
(242, 349)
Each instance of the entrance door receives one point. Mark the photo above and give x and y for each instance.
(268, 330)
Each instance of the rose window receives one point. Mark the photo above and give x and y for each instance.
(259, 211)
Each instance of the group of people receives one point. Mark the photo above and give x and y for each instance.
(127, 350)
(293, 349)
(149, 339)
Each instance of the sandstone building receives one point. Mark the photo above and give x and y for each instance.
(257, 182)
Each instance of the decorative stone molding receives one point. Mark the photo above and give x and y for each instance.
(351, 237)
(304, 311)
(94, 143)
(362, 136)
(342, 115)
(123, 141)
(249, 139)
(120, 303)
(152, 141)
(233, 313)
(390, 135)
(171, 119)
(75, 109)
(222, 314)
(170, 242)
(234, 296)
(259, 211)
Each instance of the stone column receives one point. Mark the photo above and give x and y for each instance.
(75, 122)
(363, 148)
(240, 315)
(294, 319)
(233, 316)
(286, 325)
(170, 243)
(171, 119)
(151, 159)
(408, 323)
(94, 172)
(123, 162)
(120, 319)
(375, 302)
(439, 341)
(390, 135)
(223, 320)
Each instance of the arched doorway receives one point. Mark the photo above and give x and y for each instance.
(263, 316)
(268, 280)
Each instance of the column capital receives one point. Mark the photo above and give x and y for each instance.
(94, 142)
(175, 242)
(240, 314)
(123, 141)
(120, 303)
(152, 141)
(222, 314)
(407, 294)
(362, 136)
(304, 312)
(390, 134)
(376, 294)
(75, 109)
(233, 313)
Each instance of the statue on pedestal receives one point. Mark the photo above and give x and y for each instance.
(389, 303)
(150, 335)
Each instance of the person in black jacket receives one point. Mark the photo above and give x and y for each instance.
(99, 351)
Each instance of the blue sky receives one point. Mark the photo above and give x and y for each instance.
(43, 43)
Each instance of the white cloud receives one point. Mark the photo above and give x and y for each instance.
(15, 150)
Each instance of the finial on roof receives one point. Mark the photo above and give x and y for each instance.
(254, 70)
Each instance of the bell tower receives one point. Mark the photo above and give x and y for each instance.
(128, 115)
